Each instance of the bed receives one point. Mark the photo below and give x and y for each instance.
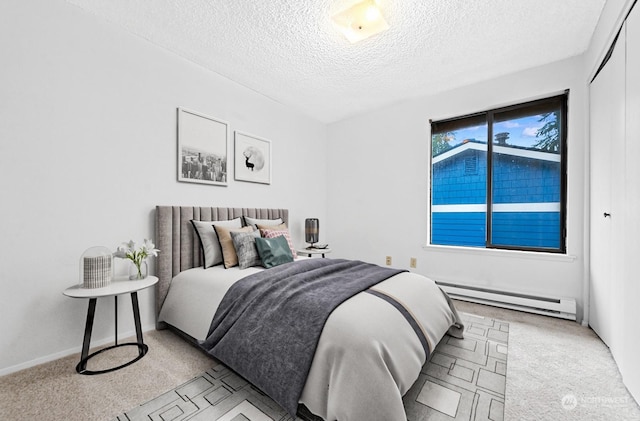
(370, 350)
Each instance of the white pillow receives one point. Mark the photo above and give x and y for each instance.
(254, 222)
(212, 254)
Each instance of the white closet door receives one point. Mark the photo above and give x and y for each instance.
(607, 119)
(631, 367)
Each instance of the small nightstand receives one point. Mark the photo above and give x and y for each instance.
(115, 288)
(312, 251)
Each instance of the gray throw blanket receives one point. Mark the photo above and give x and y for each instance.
(268, 324)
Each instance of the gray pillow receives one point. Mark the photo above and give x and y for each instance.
(274, 251)
(245, 245)
(254, 222)
(212, 254)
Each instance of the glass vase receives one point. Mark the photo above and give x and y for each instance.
(138, 272)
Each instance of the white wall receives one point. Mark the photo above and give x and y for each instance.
(379, 186)
(88, 148)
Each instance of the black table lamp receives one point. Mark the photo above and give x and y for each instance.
(311, 231)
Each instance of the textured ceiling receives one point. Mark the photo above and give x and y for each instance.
(289, 50)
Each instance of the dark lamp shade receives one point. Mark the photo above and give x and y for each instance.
(311, 230)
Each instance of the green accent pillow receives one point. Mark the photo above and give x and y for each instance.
(274, 251)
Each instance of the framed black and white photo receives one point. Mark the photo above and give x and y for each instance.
(203, 145)
(252, 158)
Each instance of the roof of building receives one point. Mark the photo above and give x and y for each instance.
(472, 144)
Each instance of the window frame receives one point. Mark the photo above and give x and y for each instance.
(442, 125)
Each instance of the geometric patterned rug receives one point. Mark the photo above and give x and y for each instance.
(465, 379)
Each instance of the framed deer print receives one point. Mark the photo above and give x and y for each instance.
(252, 158)
(202, 148)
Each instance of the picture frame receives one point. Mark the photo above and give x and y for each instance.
(203, 148)
(252, 158)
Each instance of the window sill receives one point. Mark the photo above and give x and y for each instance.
(519, 254)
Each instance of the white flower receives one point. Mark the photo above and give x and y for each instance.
(149, 247)
(136, 255)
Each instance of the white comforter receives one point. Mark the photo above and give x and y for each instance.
(368, 355)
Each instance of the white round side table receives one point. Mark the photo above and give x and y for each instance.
(313, 251)
(117, 287)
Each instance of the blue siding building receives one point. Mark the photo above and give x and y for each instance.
(526, 197)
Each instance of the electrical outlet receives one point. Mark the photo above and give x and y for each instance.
(412, 262)
(388, 260)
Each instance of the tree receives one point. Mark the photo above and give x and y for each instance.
(549, 134)
(440, 142)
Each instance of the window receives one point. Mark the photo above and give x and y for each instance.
(509, 192)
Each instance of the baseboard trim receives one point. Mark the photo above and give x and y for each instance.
(65, 353)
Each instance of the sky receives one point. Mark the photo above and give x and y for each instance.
(522, 131)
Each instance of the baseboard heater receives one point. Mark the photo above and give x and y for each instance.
(564, 308)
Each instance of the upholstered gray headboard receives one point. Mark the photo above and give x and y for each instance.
(180, 247)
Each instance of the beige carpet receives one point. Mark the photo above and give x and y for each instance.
(54, 391)
(553, 360)
(557, 370)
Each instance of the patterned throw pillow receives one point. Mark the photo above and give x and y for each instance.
(267, 233)
(245, 245)
(229, 256)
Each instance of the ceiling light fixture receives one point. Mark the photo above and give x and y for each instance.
(360, 21)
